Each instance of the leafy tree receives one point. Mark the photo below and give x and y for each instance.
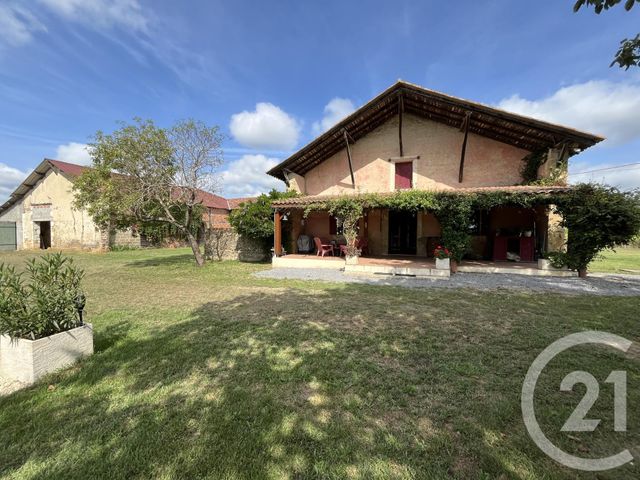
(629, 52)
(146, 174)
(597, 218)
(254, 219)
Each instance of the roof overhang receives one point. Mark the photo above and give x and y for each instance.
(517, 130)
(302, 202)
(34, 177)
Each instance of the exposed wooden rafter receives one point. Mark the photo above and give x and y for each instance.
(346, 140)
(400, 115)
(512, 129)
(464, 128)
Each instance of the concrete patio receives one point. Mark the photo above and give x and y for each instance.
(412, 266)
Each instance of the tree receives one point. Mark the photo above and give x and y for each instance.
(597, 217)
(254, 219)
(146, 174)
(629, 52)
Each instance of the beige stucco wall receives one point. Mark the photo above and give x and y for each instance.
(69, 227)
(487, 162)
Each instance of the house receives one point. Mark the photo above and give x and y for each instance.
(40, 213)
(410, 138)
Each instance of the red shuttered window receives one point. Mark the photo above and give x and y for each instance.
(404, 171)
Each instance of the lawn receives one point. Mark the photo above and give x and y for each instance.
(212, 373)
(623, 260)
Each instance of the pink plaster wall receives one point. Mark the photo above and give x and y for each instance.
(487, 162)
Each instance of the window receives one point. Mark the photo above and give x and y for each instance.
(404, 172)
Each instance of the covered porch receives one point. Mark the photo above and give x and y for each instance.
(503, 238)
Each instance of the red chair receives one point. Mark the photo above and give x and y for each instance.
(322, 248)
(363, 245)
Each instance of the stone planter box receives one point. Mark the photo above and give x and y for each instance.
(443, 263)
(28, 360)
(351, 259)
(545, 264)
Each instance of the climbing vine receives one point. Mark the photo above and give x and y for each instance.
(530, 166)
(453, 210)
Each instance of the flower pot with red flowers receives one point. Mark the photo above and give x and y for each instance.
(443, 258)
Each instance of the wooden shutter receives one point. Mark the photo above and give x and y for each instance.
(404, 172)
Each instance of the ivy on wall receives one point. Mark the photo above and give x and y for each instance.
(452, 209)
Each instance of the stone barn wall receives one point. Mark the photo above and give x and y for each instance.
(226, 244)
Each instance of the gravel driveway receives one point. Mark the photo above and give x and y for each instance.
(595, 284)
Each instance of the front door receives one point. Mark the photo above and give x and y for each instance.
(403, 230)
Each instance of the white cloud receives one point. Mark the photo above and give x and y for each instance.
(334, 111)
(101, 13)
(73, 152)
(17, 25)
(247, 177)
(267, 127)
(10, 178)
(600, 107)
(625, 178)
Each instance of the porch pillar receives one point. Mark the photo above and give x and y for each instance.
(556, 235)
(277, 233)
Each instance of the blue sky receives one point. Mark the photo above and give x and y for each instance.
(274, 74)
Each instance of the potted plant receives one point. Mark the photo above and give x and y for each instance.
(443, 258)
(41, 324)
(552, 261)
(352, 253)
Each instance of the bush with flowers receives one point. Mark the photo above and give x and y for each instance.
(441, 252)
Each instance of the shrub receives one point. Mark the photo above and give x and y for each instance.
(441, 252)
(46, 304)
(254, 218)
(597, 218)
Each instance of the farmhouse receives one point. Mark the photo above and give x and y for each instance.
(40, 214)
(416, 142)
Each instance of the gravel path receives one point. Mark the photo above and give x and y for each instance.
(9, 386)
(595, 284)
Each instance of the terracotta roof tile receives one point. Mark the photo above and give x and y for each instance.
(235, 202)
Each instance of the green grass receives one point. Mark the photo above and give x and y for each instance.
(212, 373)
(623, 260)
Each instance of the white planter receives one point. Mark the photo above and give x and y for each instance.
(351, 259)
(545, 264)
(29, 360)
(443, 263)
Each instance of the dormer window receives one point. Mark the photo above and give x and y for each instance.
(404, 174)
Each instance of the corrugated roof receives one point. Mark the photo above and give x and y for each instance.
(523, 132)
(533, 189)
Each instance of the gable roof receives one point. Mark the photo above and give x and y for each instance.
(510, 128)
(208, 199)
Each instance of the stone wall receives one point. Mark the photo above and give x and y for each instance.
(226, 244)
(123, 238)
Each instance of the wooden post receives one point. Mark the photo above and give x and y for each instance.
(277, 233)
(400, 115)
(465, 127)
(346, 139)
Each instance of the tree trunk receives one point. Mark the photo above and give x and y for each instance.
(193, 242)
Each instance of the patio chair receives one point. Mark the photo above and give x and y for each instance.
(363, 245)
(322, 248)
